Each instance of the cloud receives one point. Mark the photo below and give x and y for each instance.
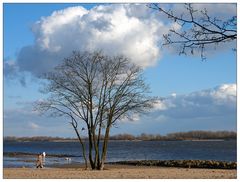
(220, 100)
(163, 104)
(211, 8)
(11, 71)
(9, 67)
(230, 9)
(135, 117)
(210, 109)
(33, 125)
(129, 29)
(25, 122)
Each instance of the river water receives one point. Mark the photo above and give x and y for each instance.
(57, 152)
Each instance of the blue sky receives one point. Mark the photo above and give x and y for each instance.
(186, 82)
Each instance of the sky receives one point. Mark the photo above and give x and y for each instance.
(197, 95)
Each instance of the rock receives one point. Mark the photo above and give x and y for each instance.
(211, 164)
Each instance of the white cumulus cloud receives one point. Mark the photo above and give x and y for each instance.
(133, 30)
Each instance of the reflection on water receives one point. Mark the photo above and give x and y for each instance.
(61, 152)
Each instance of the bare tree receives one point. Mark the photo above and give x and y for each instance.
(197, 29)
(97, 91)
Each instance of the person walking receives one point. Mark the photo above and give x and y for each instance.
(39, 163)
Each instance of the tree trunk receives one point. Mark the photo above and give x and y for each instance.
(98, 141)
(90, 150)
(104, 148)
(96, 149)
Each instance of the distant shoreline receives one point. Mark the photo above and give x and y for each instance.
(178, 136)
(75, 140)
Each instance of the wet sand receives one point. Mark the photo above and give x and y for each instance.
(120, 172)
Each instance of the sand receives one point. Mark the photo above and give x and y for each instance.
(120, 172)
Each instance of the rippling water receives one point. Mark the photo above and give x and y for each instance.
(121, 150)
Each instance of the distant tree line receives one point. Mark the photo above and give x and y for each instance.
(201, 135)
(191, 135)
(35, 138)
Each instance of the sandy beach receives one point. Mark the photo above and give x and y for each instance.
(120, 172)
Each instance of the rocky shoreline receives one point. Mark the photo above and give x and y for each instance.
(210, 164)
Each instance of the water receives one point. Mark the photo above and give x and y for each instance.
(121, 150)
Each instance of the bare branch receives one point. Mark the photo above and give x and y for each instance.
(198, 29)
